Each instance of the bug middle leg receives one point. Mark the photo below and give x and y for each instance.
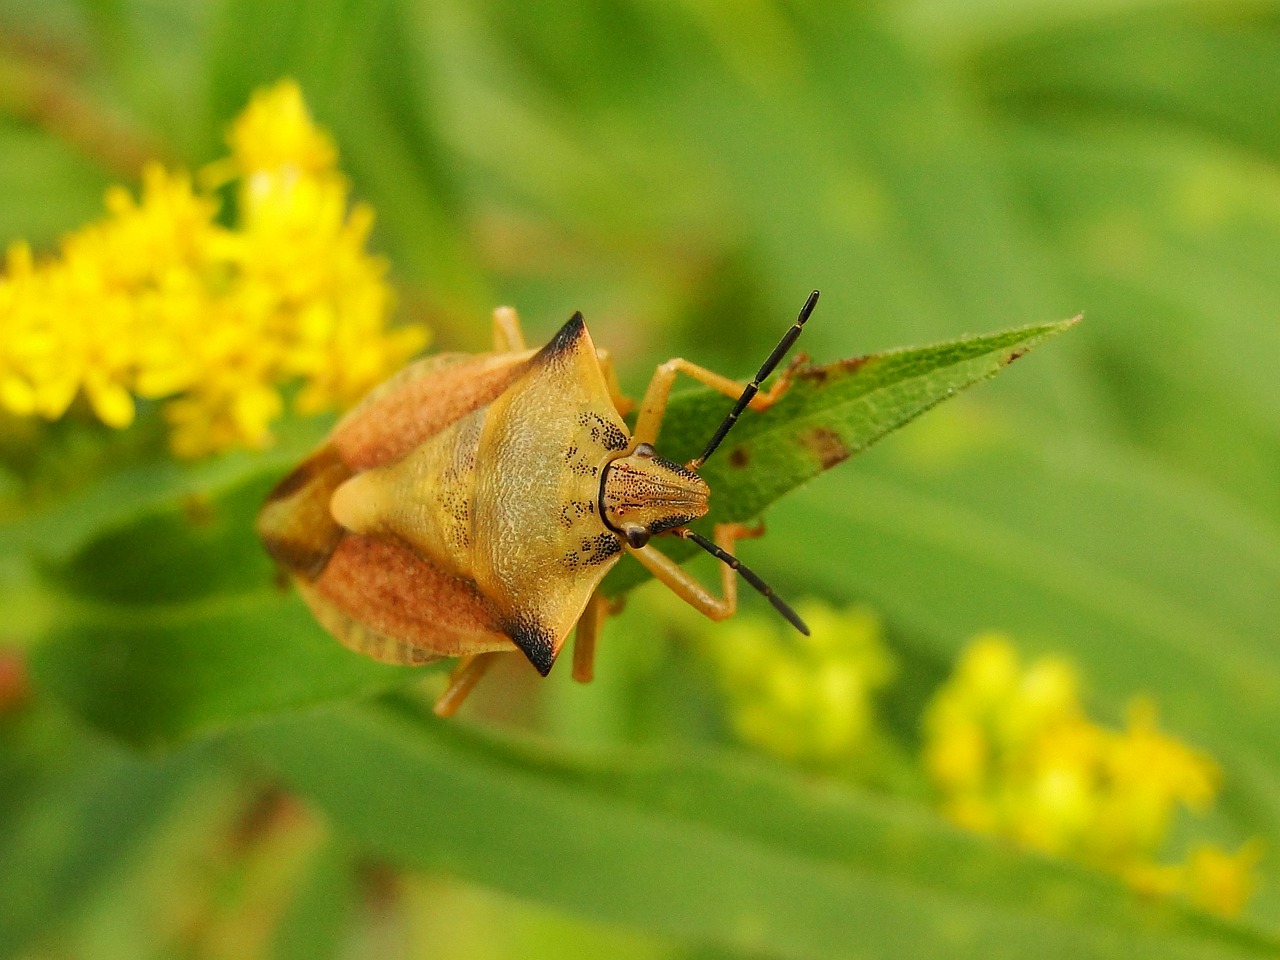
(462, 681)
(686, 586)
(654, 405)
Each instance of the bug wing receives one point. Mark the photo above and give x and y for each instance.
(378, 597)
(381, 599)
(419, 402)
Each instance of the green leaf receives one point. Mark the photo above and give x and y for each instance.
(84, 809)
(316, 922)
(830, 413)
(1173, 67)
(166, 673)
(58, 531)
(711, 851)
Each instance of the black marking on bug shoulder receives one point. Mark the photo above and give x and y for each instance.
(592, 551)
(565, 340)
(574, 510)
(604, 432)
(535, 641)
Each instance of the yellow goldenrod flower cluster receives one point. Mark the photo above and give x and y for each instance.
(1012, 752)
(803, 699)
(161, 300)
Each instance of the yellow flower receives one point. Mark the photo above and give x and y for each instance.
(159, 300)
(1222, 882)
(806, 699)
(1011, 751)
(276, 133)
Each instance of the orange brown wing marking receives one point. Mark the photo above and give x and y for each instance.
(420, 402)
(396, 602)
(295, 524)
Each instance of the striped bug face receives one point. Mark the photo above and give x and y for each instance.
(643, 494)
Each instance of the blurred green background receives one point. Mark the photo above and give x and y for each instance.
(684, 173)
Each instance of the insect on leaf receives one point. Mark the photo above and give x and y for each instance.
(155, 657)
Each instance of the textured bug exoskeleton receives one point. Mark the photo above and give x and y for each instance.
(472, 504)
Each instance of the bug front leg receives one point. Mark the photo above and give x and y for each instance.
(508, 336)
(462, 681)
(686, 586)
(654, 405)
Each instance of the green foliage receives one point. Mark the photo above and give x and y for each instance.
(724, 853)
(682, 173)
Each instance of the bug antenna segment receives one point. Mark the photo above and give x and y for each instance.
(750, 576)
(780, 351)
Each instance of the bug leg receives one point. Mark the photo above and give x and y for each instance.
(462, 681)
(588, 632)
(654, 405)
(621, 401)
(508, 337)
(687, 587)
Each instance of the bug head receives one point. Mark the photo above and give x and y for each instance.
(644, 494)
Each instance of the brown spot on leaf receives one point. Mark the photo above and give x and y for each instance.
(1015, 354)
(272, 811)
(826, 445)
(739, 457)
(15, 687)
(821, 374)
(198, 510)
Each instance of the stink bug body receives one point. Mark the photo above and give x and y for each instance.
(471, 505)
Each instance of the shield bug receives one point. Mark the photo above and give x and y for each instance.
(471, 505)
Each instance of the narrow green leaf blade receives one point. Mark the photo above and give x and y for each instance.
(162, 674)
(83, 810)
(709, 851)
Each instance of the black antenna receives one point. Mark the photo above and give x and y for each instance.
(765, 590)
(753, 387)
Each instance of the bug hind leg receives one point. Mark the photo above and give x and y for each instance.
(586, 636)
(465, 676)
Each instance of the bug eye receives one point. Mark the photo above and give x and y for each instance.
(644, 450)
(636, 536)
